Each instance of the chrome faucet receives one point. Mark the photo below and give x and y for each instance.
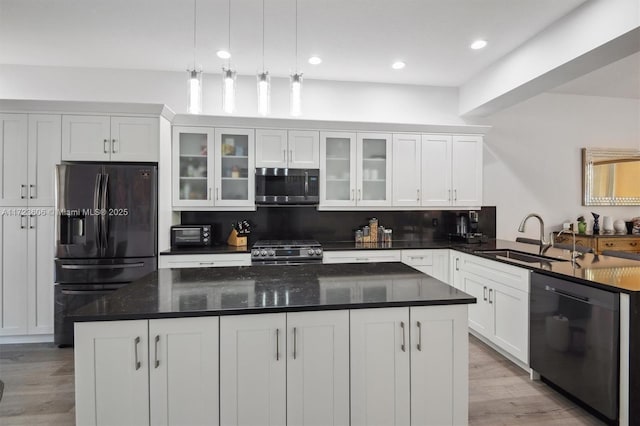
(574, 254)
(544, 244)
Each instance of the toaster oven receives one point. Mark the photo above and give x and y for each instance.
(191, 235)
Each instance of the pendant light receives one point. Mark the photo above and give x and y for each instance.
(229, 79)
(194, 76)
(295, 80)
(264, 81)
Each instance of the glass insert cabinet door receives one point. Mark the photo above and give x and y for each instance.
(235, 170)
(374, 170)
(338, 155)
(192, 166)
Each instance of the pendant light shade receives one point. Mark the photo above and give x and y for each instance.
(264, 93)
(295, 100)
(228, 90)
(195, 91)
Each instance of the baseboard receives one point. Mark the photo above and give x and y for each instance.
(35, 338)
(501, 351)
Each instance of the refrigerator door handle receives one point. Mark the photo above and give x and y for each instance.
(96, 207)
(104, 227)
(111, 266)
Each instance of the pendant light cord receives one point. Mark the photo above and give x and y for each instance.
(229, 36)
(296, 36)
(195, 3)
(263, 36)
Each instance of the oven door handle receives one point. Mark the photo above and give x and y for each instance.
(306, 183)
(117, 266)
(86, 292)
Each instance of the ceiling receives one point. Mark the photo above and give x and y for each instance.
(357, 39)
(620, 79)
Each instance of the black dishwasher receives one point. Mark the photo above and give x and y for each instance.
(574, 340)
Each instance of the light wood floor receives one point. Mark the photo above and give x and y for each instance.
(39, 390)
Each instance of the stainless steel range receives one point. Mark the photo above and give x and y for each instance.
(286, 252)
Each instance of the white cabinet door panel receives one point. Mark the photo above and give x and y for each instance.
(234, 168)
(183, 378)
(13, 162)
(271, 148)
(253, 370)
(318, 368)
(192, 166)
(439, 365)
(338, 169)
(112, 373)
(511, 320)
(86, 138)
(13, 274)
(44, 154)
(406, 170)
(304, 147)
(374, 167)
(40, 274)
(467, 170)
(380, 390)
(436, 170)
(135, 139)
(480, 312)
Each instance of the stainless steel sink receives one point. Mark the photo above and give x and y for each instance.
(519, 256)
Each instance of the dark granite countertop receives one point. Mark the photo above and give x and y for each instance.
(170, 293)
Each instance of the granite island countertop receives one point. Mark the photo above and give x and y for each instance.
(172, 293)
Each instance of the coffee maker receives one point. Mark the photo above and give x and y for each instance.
(467, 228)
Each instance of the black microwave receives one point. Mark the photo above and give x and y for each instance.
(276, 186)
(190, 235)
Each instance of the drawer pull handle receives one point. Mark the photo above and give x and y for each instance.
(490, 291)
(157, 361)
(207, 263)
(404, 341)
(609, 244)
(362, 259)
(419, 336)
(484, 293)
(295, 342)
(633, 244)
(416, 257)
(135, 347)
(277, 344)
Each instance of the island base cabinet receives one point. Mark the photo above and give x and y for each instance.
(439, 365)
(318, 368)
(112, 373)
(183, 371)
(380, 381)
(253, 370)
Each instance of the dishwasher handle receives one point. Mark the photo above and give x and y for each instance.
(566, 293)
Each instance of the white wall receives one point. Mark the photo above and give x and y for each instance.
(533, 159)
(322, 100)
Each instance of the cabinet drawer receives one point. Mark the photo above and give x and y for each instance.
(361, 256)
(512, 276)
(417, 257)
(621, 244)
(580, 241)
(205, 260)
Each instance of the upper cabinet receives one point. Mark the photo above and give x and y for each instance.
(192, 166)
(294, 149)
(31, 147)
(406, 170)
(355, 169)
(466, 170)
(234, 169)
(105, 138)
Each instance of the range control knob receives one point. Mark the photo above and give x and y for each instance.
(272, 253)
(205, 234)
(310, 252)
(255, 253)
(263, 253)
(205, 239)
(318, 252)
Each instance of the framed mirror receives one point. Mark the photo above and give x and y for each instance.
(610, 177)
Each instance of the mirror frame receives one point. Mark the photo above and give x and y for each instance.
(588, 155)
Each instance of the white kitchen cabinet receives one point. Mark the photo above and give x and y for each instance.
(192, 166)
(253, 369)
(455, 275)
(452, 170)
(406, 170)
(294, 149)
(112, 373)
(380, 367)
(431, 262)
(439, 365)
(355, 169)
(183, 371)
(361, 256)
(26, 255)
(501, 314)
(105, 138)
(204, 260)
(234, 170)
(31, 149)
(318, 368)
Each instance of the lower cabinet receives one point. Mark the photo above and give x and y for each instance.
(163, 372)
(431, 262)
(285, 368)
(204, 260)
(501, 314)
(409, 366)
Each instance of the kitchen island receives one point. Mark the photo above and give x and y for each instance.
(323, 344)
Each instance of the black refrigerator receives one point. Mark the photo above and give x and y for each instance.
(106, 223)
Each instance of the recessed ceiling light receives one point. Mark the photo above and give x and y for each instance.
(398, 65)
(478, 44)
(223, 54)
(315, 60)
